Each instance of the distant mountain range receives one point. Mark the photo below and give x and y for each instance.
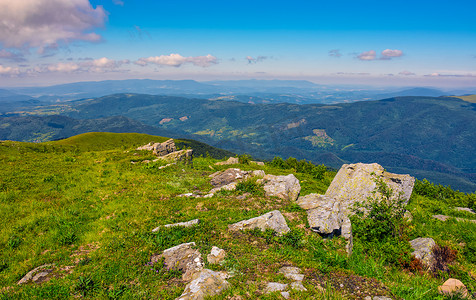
(428, 137)
(262, 91)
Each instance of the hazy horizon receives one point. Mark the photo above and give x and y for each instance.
(423, 43)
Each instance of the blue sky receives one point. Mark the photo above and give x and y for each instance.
(400, 43)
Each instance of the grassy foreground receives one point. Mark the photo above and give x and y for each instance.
(81, 204)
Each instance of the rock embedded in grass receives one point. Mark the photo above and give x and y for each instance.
(284, 187)
(206, 283)
(423, 250)
(273, 220)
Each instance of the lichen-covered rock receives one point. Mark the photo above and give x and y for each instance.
(38, 275)
(284, 187)
(228, 176)
(275, 287)
(183, 258)
(205, 283)
(423, 250)
(216, 255)
(354, 183)
(180, 224)
(293, 273)
(273, 220)
(229, 161)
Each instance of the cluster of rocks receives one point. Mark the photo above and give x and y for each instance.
(291, 273)
(284, 187)
(329, 214)
(187, 259)
(462, 209)
(168, 151)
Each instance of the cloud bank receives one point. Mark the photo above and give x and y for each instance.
(46, 23)
(177, 60)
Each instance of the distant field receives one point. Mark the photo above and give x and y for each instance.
(470, 98)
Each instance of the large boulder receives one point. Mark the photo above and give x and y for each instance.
(273, 220)
(329, 214)
(206, 283)
(284, 187)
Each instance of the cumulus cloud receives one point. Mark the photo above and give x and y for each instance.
(335, 53)
(406, 73)
(177, 60)
(9, 71)
(367, 55)
(12, 56)
(63, 67)
(386, 54)
(252, 60)
(389, 54)
(45, 23)
(352, 74)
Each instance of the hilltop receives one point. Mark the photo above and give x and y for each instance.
(81, 205)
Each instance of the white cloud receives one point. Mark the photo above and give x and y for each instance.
(389, 54)
(406, 73)
(176, 60)
(45, 23)
(118, 2)
(9, 71)
(368, 55)
(63, 67)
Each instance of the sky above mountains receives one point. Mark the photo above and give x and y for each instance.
(405, 43)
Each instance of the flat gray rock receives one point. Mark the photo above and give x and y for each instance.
(38, 275)
(180, 224)
(182, 258)
(206, 283)
(273, 220)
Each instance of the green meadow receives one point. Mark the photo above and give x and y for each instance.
(81, 205)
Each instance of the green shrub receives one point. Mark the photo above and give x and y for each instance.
(250, 186)
(379, 228)
(244, 159)
(85, 285)
(301, 166)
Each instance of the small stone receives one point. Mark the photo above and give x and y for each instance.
(453, 287)
(180, 224)
(38, 274)
(441, 217)
(423, 250)
(298, 286)
(275, 287)
(206, 283)
(285, 295)
(229, 161)
(216, 255)
(466, 209)
(292, 273)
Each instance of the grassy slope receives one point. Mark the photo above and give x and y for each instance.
(470, 98)
(94, 210)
